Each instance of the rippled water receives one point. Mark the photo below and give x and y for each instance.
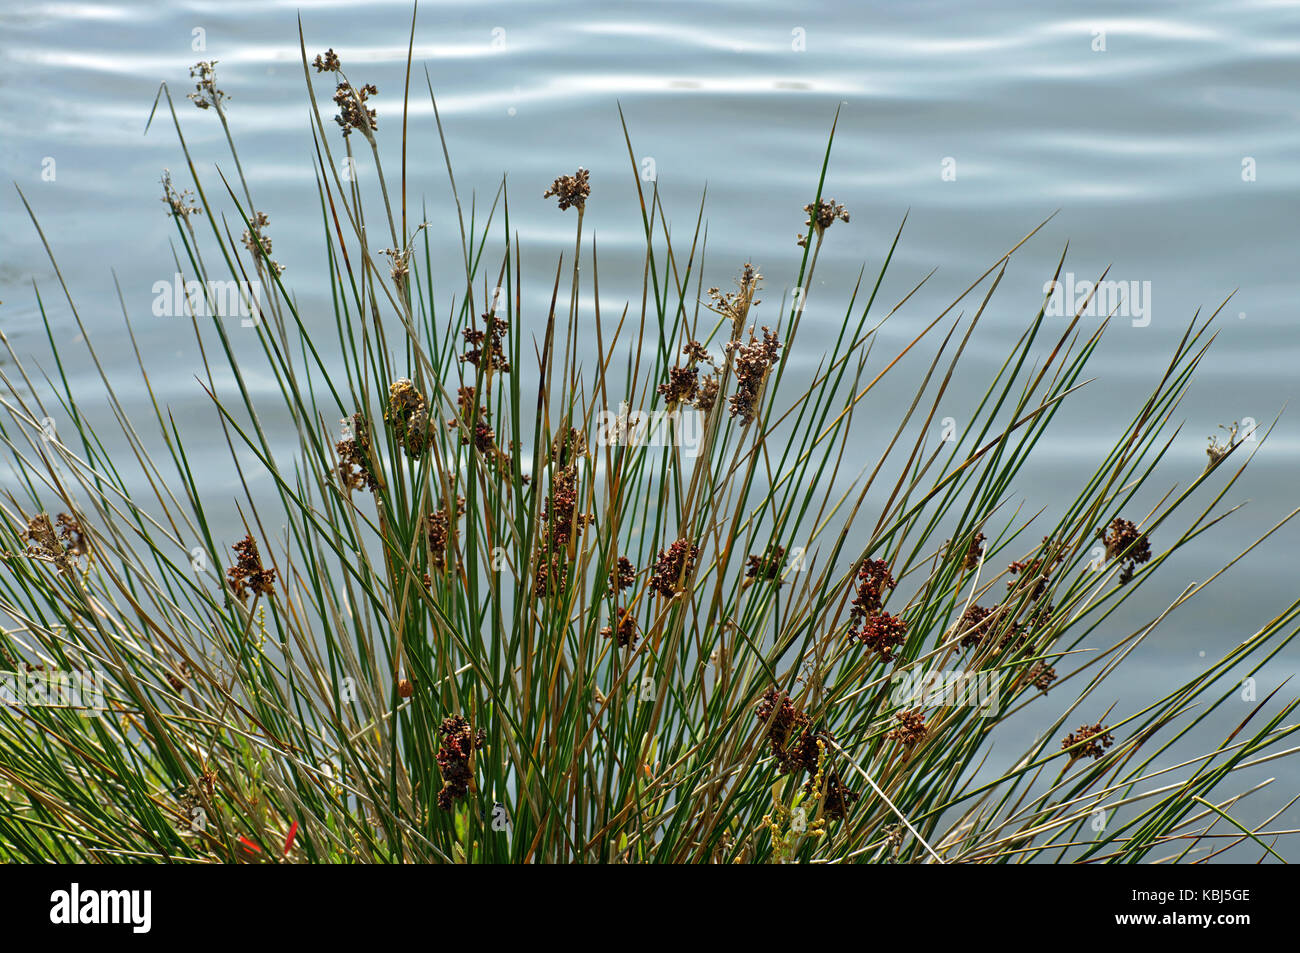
(1171, 155)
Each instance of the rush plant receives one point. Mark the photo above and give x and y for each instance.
(479, 617)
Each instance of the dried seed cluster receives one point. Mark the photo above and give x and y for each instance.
(408, 416)
(206, 95)
(911, 730)
(248, 574)
(1094, 740)
(1038, 568)
(768, 566)
(752, 362)
(485, 347)
(673, 567)
(459, 743)
(822, 216)
(868, 622)
(798, 747)
(562, 522)
(258, 243)
(571, 190)
(59, 548)
(1125, 541)
(354, 465)
(353, 111)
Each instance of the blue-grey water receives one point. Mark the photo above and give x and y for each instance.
(1165, 137)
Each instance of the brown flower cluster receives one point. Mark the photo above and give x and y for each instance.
(1125, 541)
(485, 347)
(408, 416)
(735, 305)
(793, 742)
(327, 62)
(1093, 739)
(752, 362)
(437, 525)
(59, 548)
(353, 111)
(571, 190)
(459, 742)
(974, 552)
(627, 630)
(71, 535)
(873, 579)
(248, 574)
(1041, 676)
(883, 633)
(978, 623)
(206, 95)
(179, 204)
(787, 727)
(877, 629)
(562, 522)
(354, 465)
(622, 575)
(911, 730)
(974, 623)
(673, 567)
(258, 243)
(1038, 568)
(822, 216)
(682, 385)
(768, 566)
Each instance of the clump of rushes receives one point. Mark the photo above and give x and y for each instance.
(459, 742)
(1125, 541)
(752, 362)
(673, 568)
(248, 575)
(1092, 742)
(355, 468)
(408, 416)
(533, 626)
(821, 217)
(571, 190)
